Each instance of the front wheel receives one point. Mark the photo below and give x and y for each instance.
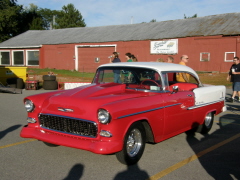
(50, 145)
(134, 144)
(207, 125)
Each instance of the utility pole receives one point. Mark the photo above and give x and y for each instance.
(53, 21)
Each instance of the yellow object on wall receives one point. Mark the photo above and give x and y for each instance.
(12, 72)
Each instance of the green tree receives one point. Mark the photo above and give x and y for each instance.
(10, 16)
(32, 19)
(194, 16)
(48, 16)
(153, 20)
(14, 19)
(69, 17)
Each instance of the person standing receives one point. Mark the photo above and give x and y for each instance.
(170, 59)
(115, 58)
(234, 77)
(184, 60)
(117, 78)
(183, 77)
(134, 58)
(160, 60)
(128, 57)
(127, 74)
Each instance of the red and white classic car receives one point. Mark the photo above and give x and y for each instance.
(125, 106)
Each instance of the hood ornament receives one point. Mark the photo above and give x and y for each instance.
(65, 109)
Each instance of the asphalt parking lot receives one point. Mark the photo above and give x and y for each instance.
(186, 156)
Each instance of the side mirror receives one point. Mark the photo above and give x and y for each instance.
(175, 89)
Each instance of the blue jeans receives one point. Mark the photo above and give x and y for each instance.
(117, 78)
(236, 86)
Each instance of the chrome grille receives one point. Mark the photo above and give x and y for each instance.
(68, 125)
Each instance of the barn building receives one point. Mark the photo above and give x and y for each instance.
(211, 42)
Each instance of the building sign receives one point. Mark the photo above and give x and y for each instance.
(164, 47)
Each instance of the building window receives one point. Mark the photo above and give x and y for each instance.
(229, 56)
(205, 56)
(33, 58)
(4, 58)
(18, 58)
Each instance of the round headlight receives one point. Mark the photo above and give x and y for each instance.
(29, 105)
(103, 116)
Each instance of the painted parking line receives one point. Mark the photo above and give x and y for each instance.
(14, 144)
(192, 158)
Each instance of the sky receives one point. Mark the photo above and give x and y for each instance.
(119, 12)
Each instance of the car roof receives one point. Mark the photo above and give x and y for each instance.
(158, 66)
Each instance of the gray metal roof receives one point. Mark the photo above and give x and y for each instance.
(222, 24)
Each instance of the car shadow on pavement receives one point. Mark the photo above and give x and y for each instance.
(222, 161)
(8, 130)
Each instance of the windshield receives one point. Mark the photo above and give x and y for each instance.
(140, 78)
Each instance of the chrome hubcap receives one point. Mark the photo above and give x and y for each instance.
(208, 119)
(134, 142)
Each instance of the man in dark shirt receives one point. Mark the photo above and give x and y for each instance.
(234, 75)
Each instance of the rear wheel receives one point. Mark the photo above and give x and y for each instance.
(134, 144)
(207, 125)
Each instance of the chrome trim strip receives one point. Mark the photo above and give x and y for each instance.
(65, 109)
(148, 111)
(145, 90)
(31, 120)
(64, 132)
(205, 104)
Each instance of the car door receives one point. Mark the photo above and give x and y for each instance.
(177, 115)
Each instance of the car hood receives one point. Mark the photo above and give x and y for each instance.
(84, 100)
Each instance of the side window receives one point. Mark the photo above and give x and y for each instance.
(167, 78)
(18, 58)
(186, 77)
(32, 57)
(4, 58)
(182, 77)
(192, 79)
(185, 81)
